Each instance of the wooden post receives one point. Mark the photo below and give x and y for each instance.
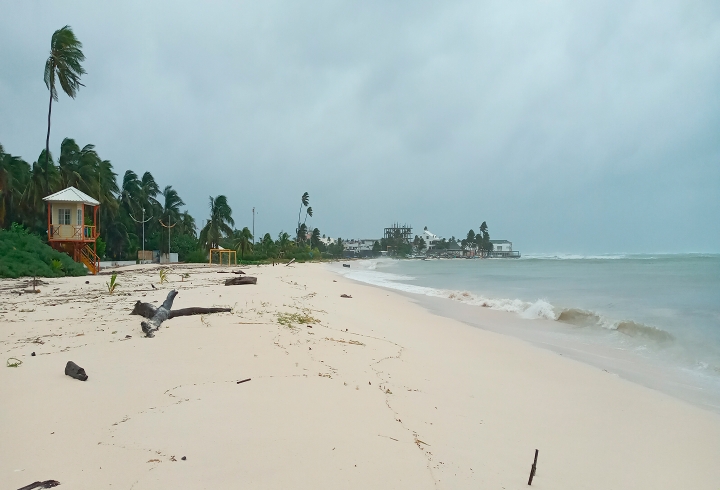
(533, 468)
(49, 221)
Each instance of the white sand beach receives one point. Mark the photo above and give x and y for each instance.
(366, 392)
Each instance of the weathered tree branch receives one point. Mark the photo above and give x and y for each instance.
(165, 312)
(161, 314)
(148, 311)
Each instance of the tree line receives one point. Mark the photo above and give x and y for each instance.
(126, 203)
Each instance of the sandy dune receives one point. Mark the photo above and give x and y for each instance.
(377, 393)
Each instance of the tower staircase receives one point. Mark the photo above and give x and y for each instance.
(88, 257)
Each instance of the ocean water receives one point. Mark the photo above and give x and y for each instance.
(654, 319)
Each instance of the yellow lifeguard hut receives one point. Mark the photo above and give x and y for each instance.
(67, 231)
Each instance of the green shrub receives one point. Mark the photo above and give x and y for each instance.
(197, 257)
(24, 254)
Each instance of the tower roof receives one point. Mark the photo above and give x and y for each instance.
(71, 194)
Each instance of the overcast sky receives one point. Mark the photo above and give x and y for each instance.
(569, 126)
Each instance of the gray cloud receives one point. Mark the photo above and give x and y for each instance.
(567, 126)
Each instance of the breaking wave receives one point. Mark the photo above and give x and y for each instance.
(584, 318)
(540, 309)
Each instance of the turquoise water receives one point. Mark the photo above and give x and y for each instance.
(663, 310)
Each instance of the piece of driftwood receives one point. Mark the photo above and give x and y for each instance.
(345, 296)
(157, 315)
(238, 272)
(533, 468)
(238, 281)
(148, 311)
(243, 380)
(161, 314)
(293, 260)
(41, 484)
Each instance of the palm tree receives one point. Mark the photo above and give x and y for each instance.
(302, 234)
(104, 187)
(304, 201)
(172, 203)
(148, 190)
(187, 225)
(315, 238)
(14, 174)
(268, 245)
(219, 224)
(130, 191)
(243, 241)
(283, 242)
(170, 211)
(64, 63)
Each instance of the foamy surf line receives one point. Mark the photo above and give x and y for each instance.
(539, 309)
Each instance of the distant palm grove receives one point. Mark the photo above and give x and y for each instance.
(125, 204)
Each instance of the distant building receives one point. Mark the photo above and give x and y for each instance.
(455, 250)
(431, 239)
(359, 247)
(502, 245)
(502, 249)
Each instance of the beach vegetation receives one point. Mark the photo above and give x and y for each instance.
(23, 254)
(290, 320)
(112, 284)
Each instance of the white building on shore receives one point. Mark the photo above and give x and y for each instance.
(502, 245)
(431, 239)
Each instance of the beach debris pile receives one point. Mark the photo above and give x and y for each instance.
(75, 371)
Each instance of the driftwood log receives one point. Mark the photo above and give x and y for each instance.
(41, 484)
(237, 281)
(165, 312)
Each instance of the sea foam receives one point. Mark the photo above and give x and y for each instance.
(531, 310)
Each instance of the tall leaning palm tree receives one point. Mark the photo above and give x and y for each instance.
(63, 65)
(219, 224)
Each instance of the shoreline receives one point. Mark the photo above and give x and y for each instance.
(379, 393)
(596, 348)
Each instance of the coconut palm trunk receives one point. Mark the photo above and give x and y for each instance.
(47, 140)
(64, 63)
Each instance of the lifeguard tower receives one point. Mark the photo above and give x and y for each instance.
(67, 231)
